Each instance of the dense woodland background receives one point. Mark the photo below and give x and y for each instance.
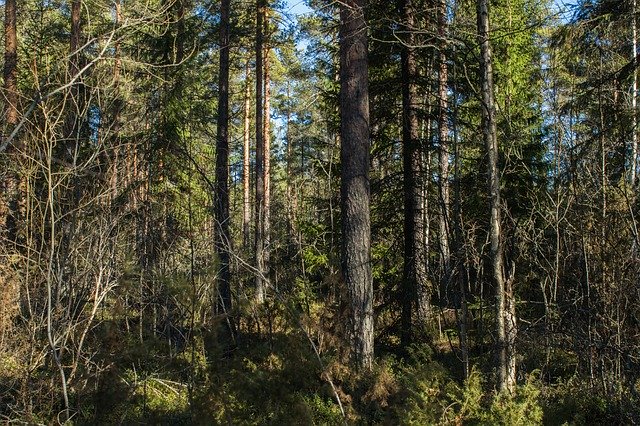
(198, 228)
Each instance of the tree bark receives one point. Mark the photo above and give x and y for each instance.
(505, 306)
(634, 98)
(259, 219)
(443, 138)
(10, 66)
(355, 191)
(267, 145)
(246, 202)
(223, 241)
(118, 104)
(414, 272)
(73, 126)
(12, 213)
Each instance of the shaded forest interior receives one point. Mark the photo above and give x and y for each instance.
(369, 212)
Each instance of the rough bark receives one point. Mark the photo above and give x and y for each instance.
(505, 306)
(443, 139)
(73, 125)
(10, 65)
(259, 188)
(246, 202)
(267, 146)
(634, 98)
(355, 191)
(11, 214)
(414, 272)
(118, 104)
(221, 197)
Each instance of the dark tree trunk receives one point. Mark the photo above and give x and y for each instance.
(10, 66)
(443, 138)
(414, 272)
(505, 306)
(354, 191)
(118, 104)
(13, 199)
(259, 240)
(223, 241)
(73, 126)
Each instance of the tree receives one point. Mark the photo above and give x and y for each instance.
(266, 137)
(354, 189)
(12, 196)
(10, 66)
(246, 123)
(443, 152)
(221, 196)
(505, 303)
(414, 273)
(260, 148)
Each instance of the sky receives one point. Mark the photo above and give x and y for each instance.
(297, 7)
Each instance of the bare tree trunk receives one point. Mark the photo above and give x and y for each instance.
(117, 106)
(12, 201)
(414, 273)
(634, 98)
(10, 66)
(73, 125)
(259, 219)
(11, 215)
(425, 289)
(355, 191)
(291, 203)
(443, 136)
(246, 202)
(459, 244)
(267, 146)
(505, 306)
(223, 241)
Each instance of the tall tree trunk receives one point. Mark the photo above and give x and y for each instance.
(10, 66)
(505, 306)
(11, 199)
(246, 202)
(223, 241)
(443, 138)
(11, 215)
(259, 231)
(73, 125)
(355, 191)
(289, 184)
(267, 146)
(414, 273)
(118, 104)
(459, 246)
(634, 97)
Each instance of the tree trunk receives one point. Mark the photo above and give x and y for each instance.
(223, 241)
(73, 126)
(505, 306)
(118, 104)
(246, 202)
(267, 146)
(11, 215)
(289, 193)
(634, 98)
(443, 138)
(459, 244)
(259, 231)
(354, 191)
(10, 66)
(414, 273)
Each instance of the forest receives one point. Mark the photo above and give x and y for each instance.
(307, 212)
